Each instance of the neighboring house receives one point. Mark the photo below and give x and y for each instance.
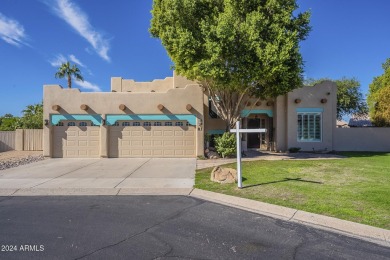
(360, 121)
(341, 124)
(170, 117)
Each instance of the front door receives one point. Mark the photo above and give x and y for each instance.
(253, 138)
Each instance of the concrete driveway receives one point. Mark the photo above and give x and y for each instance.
(102, 176)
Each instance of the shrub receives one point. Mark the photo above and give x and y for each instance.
(294, 149)
(226, 144)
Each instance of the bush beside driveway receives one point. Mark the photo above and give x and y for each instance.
(356, 188)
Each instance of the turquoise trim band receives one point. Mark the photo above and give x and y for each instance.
(111, 119)
(310, 109)
(247, 112)
(96, 119)
(216, 132)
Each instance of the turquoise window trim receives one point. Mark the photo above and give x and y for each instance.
(310, 110)
(111, 119)
(247, 112)
(216, 132)
(96, 119)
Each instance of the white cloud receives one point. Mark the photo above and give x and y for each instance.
(78, 20)
(87, 85)
(11, 31)
(75, 60)
(58, 60)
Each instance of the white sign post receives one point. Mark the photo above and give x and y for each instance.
(238, 140)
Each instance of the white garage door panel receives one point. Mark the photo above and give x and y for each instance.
(76, 141)
(152, 141)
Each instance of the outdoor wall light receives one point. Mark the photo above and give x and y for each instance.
(297, 101)
(56, 107)
(84, 107)
(104, 122)
(324, 100)
(46, 121)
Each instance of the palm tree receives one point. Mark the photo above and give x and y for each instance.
(69, 71)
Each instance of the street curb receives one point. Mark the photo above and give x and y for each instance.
(95, 191)
(368, 233)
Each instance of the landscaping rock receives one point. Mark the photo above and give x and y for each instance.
(224, 175)
(212, 155)
(14, 162)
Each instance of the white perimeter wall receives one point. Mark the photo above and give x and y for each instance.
(375, 139)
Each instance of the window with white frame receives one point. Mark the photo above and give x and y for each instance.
(116, 123)
(309, 127)
(60, 124)
(83, 124)
(136, 124)
(157, 123)
(147, 123)
(125, 123)
(179, 123)
(71, 124)
(168, 123)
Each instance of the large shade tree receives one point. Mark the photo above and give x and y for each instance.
(350, 99)
(67, 70)
(236, 48)
(379, 97)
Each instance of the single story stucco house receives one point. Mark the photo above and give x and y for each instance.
(170, 118)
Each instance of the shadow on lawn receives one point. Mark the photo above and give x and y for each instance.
(284, 180)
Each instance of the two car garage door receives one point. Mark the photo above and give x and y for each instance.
(126, 139)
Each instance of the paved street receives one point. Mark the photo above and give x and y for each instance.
(161, 227)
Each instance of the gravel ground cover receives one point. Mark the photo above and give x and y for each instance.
(12, 159)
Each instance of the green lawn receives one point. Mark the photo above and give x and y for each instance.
(356, 188)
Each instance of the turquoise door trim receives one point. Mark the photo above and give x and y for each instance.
(216, 132)
(96, 119)
(310, 109)
(247, 112)
(111, 119)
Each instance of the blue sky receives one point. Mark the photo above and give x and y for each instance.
(109, 38)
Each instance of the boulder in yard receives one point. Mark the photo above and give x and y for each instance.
(224, 175)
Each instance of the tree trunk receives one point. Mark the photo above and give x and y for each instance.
(69, 82)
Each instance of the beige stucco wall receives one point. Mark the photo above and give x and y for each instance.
(129, 85)
(119, 84)
(375, 139)
(174, 101)
(311, 98)
(280, 123)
